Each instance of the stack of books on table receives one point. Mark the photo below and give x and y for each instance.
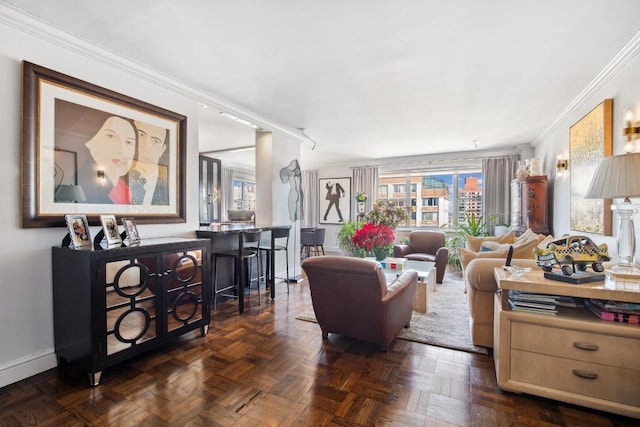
(614, 311)
(533, 302)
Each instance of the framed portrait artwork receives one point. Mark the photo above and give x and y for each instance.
(590, 140)
(335, 200)
(110, 229)
(79, 232)
(91, 151)
(131, 229)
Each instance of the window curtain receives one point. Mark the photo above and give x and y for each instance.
(310, 199)
(226, 202)
(497, 173)
(365, 180)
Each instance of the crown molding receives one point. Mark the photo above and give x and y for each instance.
(620, 60)
(36, 27)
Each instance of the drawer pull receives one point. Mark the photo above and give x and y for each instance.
(585, 346)
(584, 374)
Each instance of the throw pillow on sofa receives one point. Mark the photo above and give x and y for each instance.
(521, 250)
(473, 243)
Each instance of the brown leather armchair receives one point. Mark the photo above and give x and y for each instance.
(426, 245)
(351, 297)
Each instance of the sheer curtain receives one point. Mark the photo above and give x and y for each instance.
(497, 173)
(310, 199)
(226, 202)
(365, 179)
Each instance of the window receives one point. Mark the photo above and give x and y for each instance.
(399, 188)
(437, 200)
(244, 194)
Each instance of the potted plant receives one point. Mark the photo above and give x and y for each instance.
(374, 239)
(473, 225)
(345, 236)
(384, 212)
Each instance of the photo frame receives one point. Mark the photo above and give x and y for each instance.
(131, 229)
(590, 140)
(110, 229)
(335, 200)
(79, 232)
(68, 128)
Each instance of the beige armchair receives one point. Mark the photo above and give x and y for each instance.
(426, 245)
(351, 297)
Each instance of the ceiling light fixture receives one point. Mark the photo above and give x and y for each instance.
(231, 150)
(238, 119)
(308, 138)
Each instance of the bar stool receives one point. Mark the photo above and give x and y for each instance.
(277, 234)
(247, 249)
(311, 241)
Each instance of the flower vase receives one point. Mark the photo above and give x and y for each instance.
(380, 254)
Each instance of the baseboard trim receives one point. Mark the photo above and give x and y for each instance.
(27, 366)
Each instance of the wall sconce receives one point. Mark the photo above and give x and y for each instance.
(562, 166)
(630, 131)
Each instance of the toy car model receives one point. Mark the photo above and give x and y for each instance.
(571, 253)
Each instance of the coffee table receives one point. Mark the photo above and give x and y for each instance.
(426, 281)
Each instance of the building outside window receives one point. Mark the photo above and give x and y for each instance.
(437, 200)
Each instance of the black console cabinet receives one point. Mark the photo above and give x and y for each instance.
(112, 304)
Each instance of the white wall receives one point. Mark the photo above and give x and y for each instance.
(624, 88)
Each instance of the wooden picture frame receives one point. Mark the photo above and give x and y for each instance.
(590, 140)
(79, 232)
(110, 229)
(69, 130)
(131, 229)
(330, 193)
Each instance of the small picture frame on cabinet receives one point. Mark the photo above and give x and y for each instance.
(79, 233)
(129, 225)
(110, 229)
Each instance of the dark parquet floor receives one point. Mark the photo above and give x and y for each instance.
(265, 368)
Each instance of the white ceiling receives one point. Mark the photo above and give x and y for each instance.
(368, 79)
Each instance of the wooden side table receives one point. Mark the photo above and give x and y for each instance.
(573, 356)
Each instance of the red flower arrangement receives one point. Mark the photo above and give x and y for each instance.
(374, 238)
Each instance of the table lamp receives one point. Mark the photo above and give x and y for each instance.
(617, 177)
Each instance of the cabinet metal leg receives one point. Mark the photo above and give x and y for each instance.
(94, 378)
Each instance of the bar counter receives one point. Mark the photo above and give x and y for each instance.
(225, 237)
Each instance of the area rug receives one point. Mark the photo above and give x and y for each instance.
(446, 323)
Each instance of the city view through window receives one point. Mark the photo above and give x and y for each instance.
(437, 200)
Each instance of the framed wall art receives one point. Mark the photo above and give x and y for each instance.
(590, 140)
(335, 200)
(91, 151)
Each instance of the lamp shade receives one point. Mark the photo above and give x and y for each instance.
(70, 193)
(616, 177)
